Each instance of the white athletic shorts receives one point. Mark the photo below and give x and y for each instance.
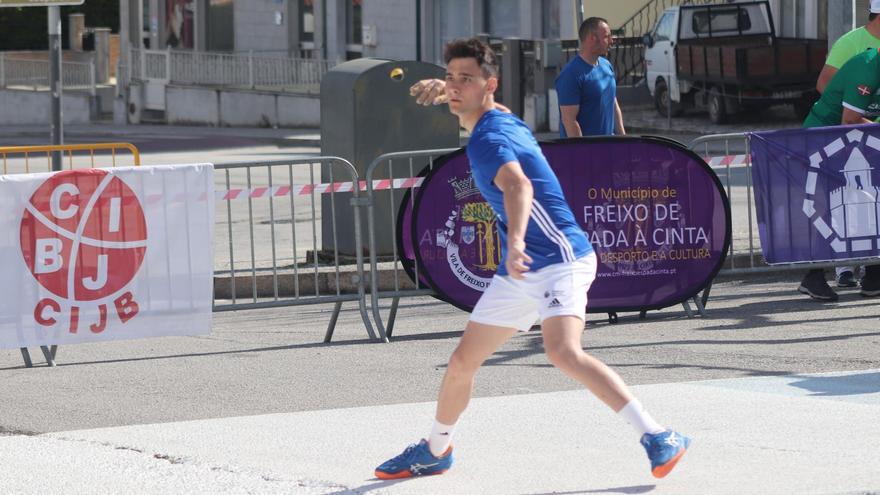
(556, 290)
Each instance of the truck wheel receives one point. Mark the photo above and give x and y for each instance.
(661, 93)
(717, 107)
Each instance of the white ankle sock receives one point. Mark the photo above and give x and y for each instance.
(440, 439)
(635, 414)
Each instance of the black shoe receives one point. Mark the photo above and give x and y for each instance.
(846, 279)
(815, 286)
(870, 286)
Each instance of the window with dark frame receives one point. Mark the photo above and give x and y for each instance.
(712, 20)
(306, 20)
(353, 29)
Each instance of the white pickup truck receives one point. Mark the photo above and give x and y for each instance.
(727, 58)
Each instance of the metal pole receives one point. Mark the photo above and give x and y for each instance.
(55, 87)
(250, 69)
(670, 60)
(419, 30)
(123, 77)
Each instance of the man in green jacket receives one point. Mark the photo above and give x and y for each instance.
(851, 97)
(845, 48)
(851, 44)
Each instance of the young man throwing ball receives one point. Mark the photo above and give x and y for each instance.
(547, 267)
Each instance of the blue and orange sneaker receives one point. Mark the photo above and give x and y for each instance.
(664, 450)
(416, 460)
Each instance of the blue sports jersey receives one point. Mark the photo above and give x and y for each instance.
(593, 89)
(552, 235)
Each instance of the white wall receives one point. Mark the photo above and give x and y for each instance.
(394, 22)
(214, 107)
(256, 28)
(35, 107)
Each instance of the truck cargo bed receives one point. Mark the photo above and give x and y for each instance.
(751, 61)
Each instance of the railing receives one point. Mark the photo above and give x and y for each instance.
(628, 54)
(269, 237)
(410, 163)
(230, 70)
(270, 232)
(34, 74)
(90, 156)
(20, 159)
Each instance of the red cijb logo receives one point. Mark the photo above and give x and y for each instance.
(83, 237)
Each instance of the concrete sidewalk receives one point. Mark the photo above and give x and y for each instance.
(804, 434)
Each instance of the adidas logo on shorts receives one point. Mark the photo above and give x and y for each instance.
(554, 303)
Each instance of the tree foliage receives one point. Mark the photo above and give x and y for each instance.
(26, 28)
(478, 212)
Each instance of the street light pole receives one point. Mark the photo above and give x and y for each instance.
(120, 109)
(55, 86)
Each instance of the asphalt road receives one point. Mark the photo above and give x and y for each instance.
(264, 361)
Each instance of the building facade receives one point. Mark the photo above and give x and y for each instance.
(341, 29)
(413, 29)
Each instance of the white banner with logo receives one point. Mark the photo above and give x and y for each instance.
(106, 254)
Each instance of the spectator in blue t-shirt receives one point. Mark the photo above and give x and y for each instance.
(586, 87)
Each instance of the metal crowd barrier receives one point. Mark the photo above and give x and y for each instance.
(409, 164)
(270, 226)
(729, 155)
(272, 230)
(22, 156)
(20, 162)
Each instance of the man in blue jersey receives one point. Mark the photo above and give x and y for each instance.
(586, 88)
(547, 267)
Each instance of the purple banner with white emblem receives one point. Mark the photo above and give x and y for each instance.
(654, 212)
(816, 193)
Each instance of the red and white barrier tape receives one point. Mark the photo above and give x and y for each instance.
(722, 161)
(308, 189)
(378, 185)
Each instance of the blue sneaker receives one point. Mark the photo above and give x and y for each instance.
(416, 460)
(664, 450)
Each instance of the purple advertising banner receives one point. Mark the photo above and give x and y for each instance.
(656, 214)
(816, 193)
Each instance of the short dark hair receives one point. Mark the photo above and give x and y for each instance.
(476, 49)
(590, 25)
(872, 16)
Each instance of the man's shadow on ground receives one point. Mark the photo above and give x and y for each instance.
(380, 484)
(831, 386)
(625, 490)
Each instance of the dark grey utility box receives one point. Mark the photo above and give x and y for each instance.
(365, 113)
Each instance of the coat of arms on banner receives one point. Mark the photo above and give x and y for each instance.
(481, 221)
(470, 236)
(853, 210)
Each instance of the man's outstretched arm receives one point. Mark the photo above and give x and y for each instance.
(433, 92)
(518, 194)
